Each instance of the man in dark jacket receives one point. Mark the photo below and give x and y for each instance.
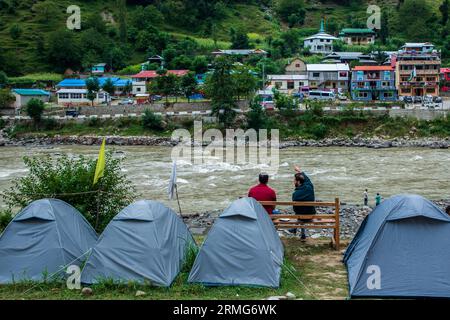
(304, 191)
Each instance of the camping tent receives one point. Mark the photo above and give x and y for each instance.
(401, 250)
(145, 242)
(45, 236)
(242, 248)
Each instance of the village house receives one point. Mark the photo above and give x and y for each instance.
(372, 83)
(357, 36)
(74, 91)
(418, 70)
(99, 69)
(23, 96)
(329, 76)
(288, 83)
(349, 57)
(239, 52)
(321, 43)
(142, 79)
(445, 79)
(417, 47)
(297, 67)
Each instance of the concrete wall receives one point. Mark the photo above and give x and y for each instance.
(419, 114)
(156, 107)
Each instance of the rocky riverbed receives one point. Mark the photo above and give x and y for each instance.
(351, 217)
(374, 142)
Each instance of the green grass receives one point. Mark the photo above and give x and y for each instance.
(316, 272)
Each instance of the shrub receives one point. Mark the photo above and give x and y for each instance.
(5, 219)
(151, 121)
(71, 180)
(35, 109)
(318, 131)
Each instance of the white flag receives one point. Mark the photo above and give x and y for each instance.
(172, 181)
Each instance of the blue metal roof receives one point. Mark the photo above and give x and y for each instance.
(118, 82)
(31, 92)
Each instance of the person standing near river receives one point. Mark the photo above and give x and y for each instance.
(262, 192)
(366, 198)
(377, 199)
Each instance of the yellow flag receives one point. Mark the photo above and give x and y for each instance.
(100, 169)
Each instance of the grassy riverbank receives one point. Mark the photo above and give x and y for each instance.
(313, 124)
(316, 273)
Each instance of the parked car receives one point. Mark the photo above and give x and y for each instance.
(437, 99)
(417, 99)
(72, 113)
(342, 97)
(155, 98)
(408, 99)
(431, 105)
(126, 102)
(322, 95)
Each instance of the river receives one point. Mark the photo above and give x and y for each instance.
(336, 172)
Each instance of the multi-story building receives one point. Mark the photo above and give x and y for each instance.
(321, 42)
(418, 70)
(371, 83)
(329, 76)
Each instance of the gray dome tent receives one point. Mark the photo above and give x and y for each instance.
(42, 239)
(401, 250)
(146, 241)
(242, 248)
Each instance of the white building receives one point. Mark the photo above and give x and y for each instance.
(329, 76)
(288, 83)
(321, 42)
(79, 97)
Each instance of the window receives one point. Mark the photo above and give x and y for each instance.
(406, 90)
(431, 79)
(301, 83)
(388, 94)
(430, 90)
(361, 84)
(316, 74)
(385, 84)
(138, 89)
(101, 95)
(278, 84)
(297, 65)
(290, 85)
(76, 96)
(363, 95)
(63, 95)
(343, 74)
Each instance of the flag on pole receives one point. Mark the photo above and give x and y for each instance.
(413, 74)
(100, 169)
(173, 181)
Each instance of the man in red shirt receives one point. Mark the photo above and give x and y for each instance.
(262, 192)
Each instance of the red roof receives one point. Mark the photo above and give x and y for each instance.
(445, 70)
(373, 68)
(154, 74)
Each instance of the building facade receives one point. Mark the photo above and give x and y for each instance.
(320, 43)
(418, 71)
(288, 83)
(372, 83)
(296, 66)
(357, 37)
(329, 76)
(143, 78)
(23, 96)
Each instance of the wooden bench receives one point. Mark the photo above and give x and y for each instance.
(318, 221)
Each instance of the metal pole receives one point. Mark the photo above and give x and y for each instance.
(178, 200)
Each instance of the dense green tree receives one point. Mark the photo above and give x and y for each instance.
(35, 109)
(93, 87)
(444, 10)
(220, 87)
(245, 82)
(3, 79)
(6, 98)
(63, 50)
(166, 85)
(46, 12)
(417, 27)
(239, 39)
(109, 87)
(291, 11)
(188, 85)
(15, 31)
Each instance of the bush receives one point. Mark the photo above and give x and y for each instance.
(2, 124)
(35, 109)
(71, 180)
(151, 121)
(5, 219)
(318, 131)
